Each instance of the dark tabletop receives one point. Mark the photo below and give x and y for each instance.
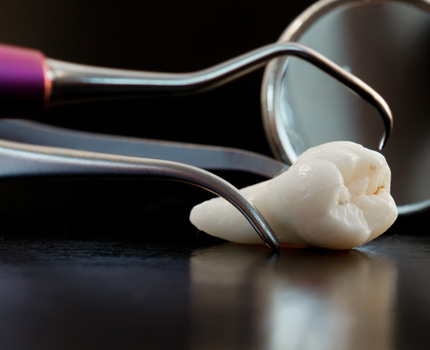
(183, 290)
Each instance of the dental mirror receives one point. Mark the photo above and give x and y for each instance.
(387, 44)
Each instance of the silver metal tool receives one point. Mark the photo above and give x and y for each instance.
(31, 149)
(19, 159)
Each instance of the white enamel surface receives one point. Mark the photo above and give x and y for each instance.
(336, 196)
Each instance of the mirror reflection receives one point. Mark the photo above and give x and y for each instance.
(387, 44)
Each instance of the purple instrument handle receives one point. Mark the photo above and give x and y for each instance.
(24, 84)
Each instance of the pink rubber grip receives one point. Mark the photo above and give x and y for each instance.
(24, 83)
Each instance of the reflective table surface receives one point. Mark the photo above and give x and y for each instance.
(91, 281)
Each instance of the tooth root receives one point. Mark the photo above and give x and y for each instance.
(334, 196)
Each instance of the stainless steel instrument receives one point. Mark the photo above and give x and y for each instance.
(30, 82)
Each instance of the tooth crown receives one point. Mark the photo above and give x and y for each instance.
(335, 196)
(346, 200)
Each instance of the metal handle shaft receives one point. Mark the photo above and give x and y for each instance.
(65, 81)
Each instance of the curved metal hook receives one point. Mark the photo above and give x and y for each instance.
(22, 160)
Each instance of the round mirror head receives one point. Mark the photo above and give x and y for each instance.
(387, 45)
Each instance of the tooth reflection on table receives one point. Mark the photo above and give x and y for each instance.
(299, 299)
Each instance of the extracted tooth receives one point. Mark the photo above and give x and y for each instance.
(336, 196)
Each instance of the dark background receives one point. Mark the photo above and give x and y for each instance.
(147, 35)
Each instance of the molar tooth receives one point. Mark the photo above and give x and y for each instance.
(336, 196)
